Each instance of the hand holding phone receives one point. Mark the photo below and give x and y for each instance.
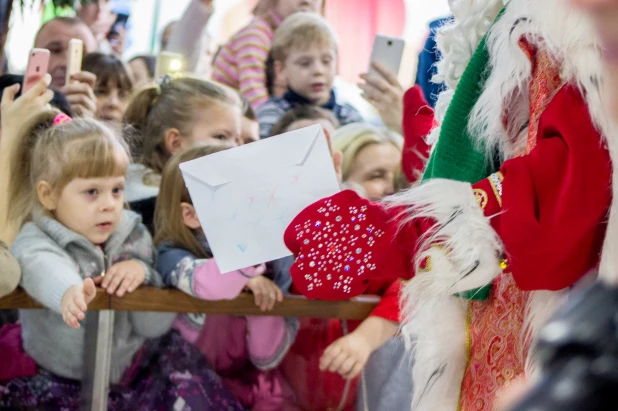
(74, 62)
(38, 63)
(385, 93)
(388, 51)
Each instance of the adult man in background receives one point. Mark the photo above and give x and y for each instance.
(55, 36)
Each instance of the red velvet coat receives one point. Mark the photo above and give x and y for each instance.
(553, 203)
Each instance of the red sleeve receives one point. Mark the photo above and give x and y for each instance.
(388, 307)
(418, 121)
(555, 200)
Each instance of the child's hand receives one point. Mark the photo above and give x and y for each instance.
(266, 292)
(75, 302)
(346, 356)
(124, 276)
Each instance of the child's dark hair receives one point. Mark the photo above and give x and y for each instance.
(109, 69)
(149, 61)
(57, 154)
(270, 75)
(302, 113)
(248, 111)
(155, 109)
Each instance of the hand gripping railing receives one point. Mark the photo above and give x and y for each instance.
(100, 322)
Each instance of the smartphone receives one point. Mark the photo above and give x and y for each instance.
(38, 63)
(387, 51)
(120, 24)
(169, 64)
(74, 62)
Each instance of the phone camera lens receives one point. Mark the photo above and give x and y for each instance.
(390, 43)
(37, 69)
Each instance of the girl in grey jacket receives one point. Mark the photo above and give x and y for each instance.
(69, 182)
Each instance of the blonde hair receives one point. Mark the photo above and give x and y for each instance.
(157, 108)
(301, 31)
(353, 138)
(169, 224)
(263, 7)
(82, 148)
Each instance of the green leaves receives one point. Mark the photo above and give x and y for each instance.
(57, 3)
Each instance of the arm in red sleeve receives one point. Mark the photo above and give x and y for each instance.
(555, 200)
(418, 121)
(388, 307)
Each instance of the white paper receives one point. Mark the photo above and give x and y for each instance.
(246, 197)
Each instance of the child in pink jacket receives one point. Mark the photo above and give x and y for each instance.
(245, 351)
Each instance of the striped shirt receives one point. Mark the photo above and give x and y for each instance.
(241, 62)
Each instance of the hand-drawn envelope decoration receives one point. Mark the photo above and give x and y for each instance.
(245, 197)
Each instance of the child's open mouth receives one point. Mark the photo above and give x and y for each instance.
(105, 226)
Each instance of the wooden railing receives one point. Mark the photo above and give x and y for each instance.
(174, 301)
(99, 323)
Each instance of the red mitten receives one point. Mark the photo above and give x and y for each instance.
(342, 241)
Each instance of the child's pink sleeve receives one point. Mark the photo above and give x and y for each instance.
(269, 339)
(253, 50)
(202, 279)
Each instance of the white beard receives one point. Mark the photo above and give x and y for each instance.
(457, 42)
(569, 39)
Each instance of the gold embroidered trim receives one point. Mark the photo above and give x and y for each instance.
(496, 184)
(481, 197)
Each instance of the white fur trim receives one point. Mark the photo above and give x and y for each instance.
(565, 33)
(460, 227)
(435, 329)
(540, 307)
(468, 258)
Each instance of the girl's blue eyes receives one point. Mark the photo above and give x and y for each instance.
(94, 191)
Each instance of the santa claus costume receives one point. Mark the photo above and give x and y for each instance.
(515, 209)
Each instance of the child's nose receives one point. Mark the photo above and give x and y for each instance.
(108, 202)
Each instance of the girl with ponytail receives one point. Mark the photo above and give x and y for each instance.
(166, 118)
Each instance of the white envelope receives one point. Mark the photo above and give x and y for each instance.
(246, 197)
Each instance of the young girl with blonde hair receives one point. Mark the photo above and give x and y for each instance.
(244, 350)
(169, 117)
(66, 193)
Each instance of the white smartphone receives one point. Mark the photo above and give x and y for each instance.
(38, 63)
(169, 64)
(387, 51)
(74, 61)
